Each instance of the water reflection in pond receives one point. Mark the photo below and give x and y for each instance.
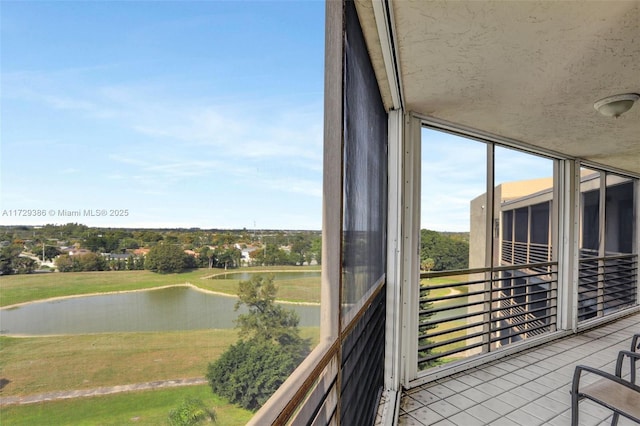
(279, 275)
(167, 309)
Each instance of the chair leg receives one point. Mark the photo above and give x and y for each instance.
(614, 420)
(574, 409)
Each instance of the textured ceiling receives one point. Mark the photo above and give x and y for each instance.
(525, 70)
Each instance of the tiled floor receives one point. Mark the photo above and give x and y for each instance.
(528, 388)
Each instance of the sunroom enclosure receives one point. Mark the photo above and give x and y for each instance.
(551, 253)
(511, 290)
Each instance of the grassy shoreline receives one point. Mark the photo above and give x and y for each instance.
(20, 289)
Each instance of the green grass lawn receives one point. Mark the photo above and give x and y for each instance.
(435, 293)
(42, 364)
(35, 365)
(425, 282)
(140, 408)
(304, 289)
(29, 287)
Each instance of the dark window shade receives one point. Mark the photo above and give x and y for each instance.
(364, 231)
(365, 171)
(540, 223)
(590, 220)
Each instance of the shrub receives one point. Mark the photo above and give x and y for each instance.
(191, 411)
(249, 372)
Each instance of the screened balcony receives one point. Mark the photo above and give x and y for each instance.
(480, 115)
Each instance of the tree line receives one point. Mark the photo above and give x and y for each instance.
(105, 249)
(442, 251)
(439, 251)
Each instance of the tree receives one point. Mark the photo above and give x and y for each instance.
(127, 243)
(165, 258)
(227, 258)
(8, 259)
(50, 252)
(92, 262)
(300, 249)
(316, 249)
(271, 254)
(206, 255)
(24, 265)
(427, 264)
(64, 263)
(95, 242)
(12, 263)
(81, 263)
(265, 319)
(269, 349)
(135, 263)
(448, 253)
(146, 237)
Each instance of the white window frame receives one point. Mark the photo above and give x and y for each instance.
(410, 236)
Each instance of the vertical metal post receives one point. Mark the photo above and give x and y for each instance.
(410, 246)
(332, 193)
(488, 276)
(395, 253)
(602, 239)
(636, 234)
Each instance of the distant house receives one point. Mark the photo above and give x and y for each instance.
(78, 252)
(246, 253)
(141, 251)
(117, 256)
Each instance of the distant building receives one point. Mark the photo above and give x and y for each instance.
(78, 252)
(141, 251)
(522, 235)
(245, 252)
(117, 256)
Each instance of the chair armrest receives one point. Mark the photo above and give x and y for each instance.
(635, 342)
(633, 356)
(578, 372)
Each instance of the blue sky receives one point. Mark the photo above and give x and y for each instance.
(187, 114)
(193, 114)
(454, 173)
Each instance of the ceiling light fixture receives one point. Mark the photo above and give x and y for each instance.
(614, 106)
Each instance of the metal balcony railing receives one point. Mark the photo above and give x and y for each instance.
(520, 253)
(463, 313)
(606, 284)
(507, 251)
(514, 252)
(539, 253)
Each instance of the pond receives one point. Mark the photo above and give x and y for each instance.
(166, 309)
(279, 275)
